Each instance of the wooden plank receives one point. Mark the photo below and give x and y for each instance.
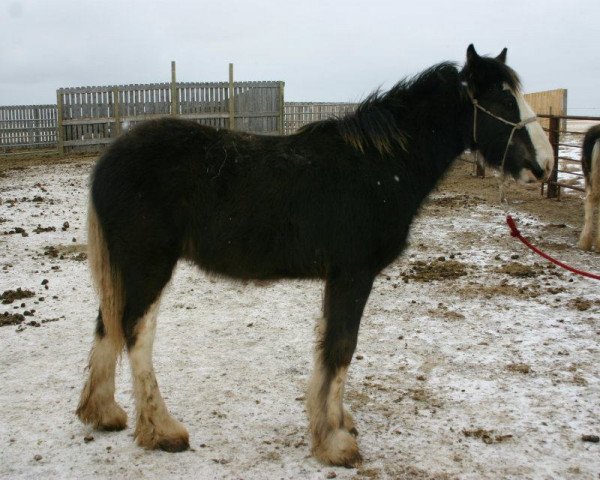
(117, 112)
(59, 124)
(230, 99)
(281, 109)
(174, 99)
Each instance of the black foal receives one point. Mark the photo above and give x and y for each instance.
(334, 201)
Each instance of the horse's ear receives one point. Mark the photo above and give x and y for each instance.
(502, 56)
(472, 55)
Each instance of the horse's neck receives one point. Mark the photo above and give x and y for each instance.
(440, 130)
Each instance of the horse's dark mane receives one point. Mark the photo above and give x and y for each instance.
(375, 121)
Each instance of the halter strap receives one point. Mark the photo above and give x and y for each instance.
(515, 127)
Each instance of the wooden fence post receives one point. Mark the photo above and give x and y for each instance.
(59, 124)
(230, 100)
(554, 137)
(174, 99)
(35, 125)
(281, 119)
(117, 112)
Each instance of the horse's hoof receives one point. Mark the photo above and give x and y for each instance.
(585, 244)
(174, 445)
(339, 448)
(108, 417)
(114, 427)
(171, 437)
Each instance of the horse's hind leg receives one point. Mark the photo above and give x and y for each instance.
(97, 405)
(155, 427)
(331, 426)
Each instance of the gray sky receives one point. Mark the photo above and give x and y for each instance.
(324, 50)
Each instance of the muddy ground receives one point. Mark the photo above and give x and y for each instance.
(476, 359)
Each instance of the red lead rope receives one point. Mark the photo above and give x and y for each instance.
(514, 231)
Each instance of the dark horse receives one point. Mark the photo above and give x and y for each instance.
(334, 201)
(590, 164)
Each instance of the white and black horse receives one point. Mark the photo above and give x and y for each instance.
(590, 164)
(334, 201)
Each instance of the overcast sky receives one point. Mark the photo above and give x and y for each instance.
(324, 50)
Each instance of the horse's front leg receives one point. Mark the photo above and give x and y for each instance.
(332, 428)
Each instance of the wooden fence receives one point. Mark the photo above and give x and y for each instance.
(298, 114)
(549, 102)
(87, 118)
(566, 171)
(90, 117)
(27, 126)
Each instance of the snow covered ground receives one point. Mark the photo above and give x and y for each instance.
(476, 359)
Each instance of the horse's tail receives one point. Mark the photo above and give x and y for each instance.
(591, 160)
(108, 283)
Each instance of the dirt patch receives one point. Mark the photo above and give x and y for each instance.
(401, 472)
(519, 368)
(77, 252)
(581, 304)
(438, 269)
(16, 231)
(9, 296)
(444, 312)
(7, 319)
(29, 159)
(40, 229)
(453, 201)
(486, 436)
(520, 270)
(421, 395)
(505, 289)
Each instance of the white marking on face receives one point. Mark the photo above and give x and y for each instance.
(544, 155)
